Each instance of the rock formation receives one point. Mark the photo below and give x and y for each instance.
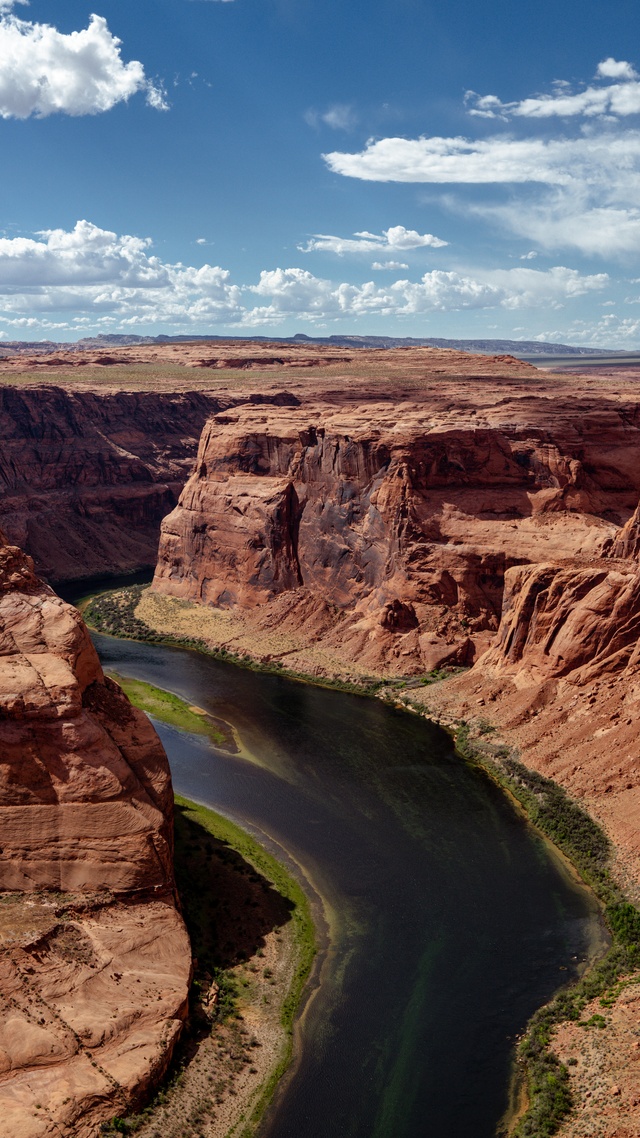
(387, 514)
(401, 524)
(94, 957)
(87, 476)
(389, 528)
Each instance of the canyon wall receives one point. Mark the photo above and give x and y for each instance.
(490, 521)
(397, 524)
(94, 957)
(87, 476)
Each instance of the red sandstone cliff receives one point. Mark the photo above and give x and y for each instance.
(87, 476)
(94, 956)
(490, 520)
(398, 524)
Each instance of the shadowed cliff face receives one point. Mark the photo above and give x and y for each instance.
(90, 935)
(86, 477)
(401, 523)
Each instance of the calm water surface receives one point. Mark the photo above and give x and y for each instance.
(450, 920)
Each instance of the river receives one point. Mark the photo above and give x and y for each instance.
(451, 920)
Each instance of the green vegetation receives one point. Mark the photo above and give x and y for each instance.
(437, 674)
(113, 613)
(169, 708)
(233, 893)
(586, 845)
(237, 845)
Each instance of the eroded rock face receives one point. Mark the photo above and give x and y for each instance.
(627, 541)
(402, 524)
(86, 477)
(490, 522)
(94, 956)
(569, 620)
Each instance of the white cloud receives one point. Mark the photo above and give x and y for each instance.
(530, 256)
(607, 332)
(576, 189)
(90, 277)
(621, 98)
(87, 255)
(616, 69)
(43, 71)
(388, 265)
(567, 221)
(397, 237)
(500, 159)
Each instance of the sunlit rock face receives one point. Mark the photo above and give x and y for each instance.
(94, 956)
(398, 520)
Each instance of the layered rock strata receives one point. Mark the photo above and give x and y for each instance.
(87, 476)
(488, 523)
(491, 522)
(397, 525)
(94, 957)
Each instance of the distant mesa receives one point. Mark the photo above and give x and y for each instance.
(518, 348)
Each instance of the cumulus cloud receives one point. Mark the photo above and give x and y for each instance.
(86, 255)
(90, 277)
(610, 331)
(397, 237)
(616, 69)
(43, 71)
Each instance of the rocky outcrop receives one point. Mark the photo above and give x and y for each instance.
(87, 476)
(471, 518)
(401, 525)
(568, 619)
(94, 956)
(627, 541)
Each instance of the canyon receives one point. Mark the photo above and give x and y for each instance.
(485, 520)
(383, 514)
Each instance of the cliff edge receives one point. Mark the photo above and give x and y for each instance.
(488, 521)
(94, 957)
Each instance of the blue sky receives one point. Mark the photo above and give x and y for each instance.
(273, 166)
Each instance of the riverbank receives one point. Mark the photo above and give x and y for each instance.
(254, 946)
(169, 708)
(560, 819)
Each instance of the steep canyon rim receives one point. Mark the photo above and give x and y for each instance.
(376, 516)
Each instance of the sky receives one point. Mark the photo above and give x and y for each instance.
(269, 167)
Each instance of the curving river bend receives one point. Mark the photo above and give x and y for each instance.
(451, 920)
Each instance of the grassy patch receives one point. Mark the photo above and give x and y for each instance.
(169, 708)
(235, 843)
